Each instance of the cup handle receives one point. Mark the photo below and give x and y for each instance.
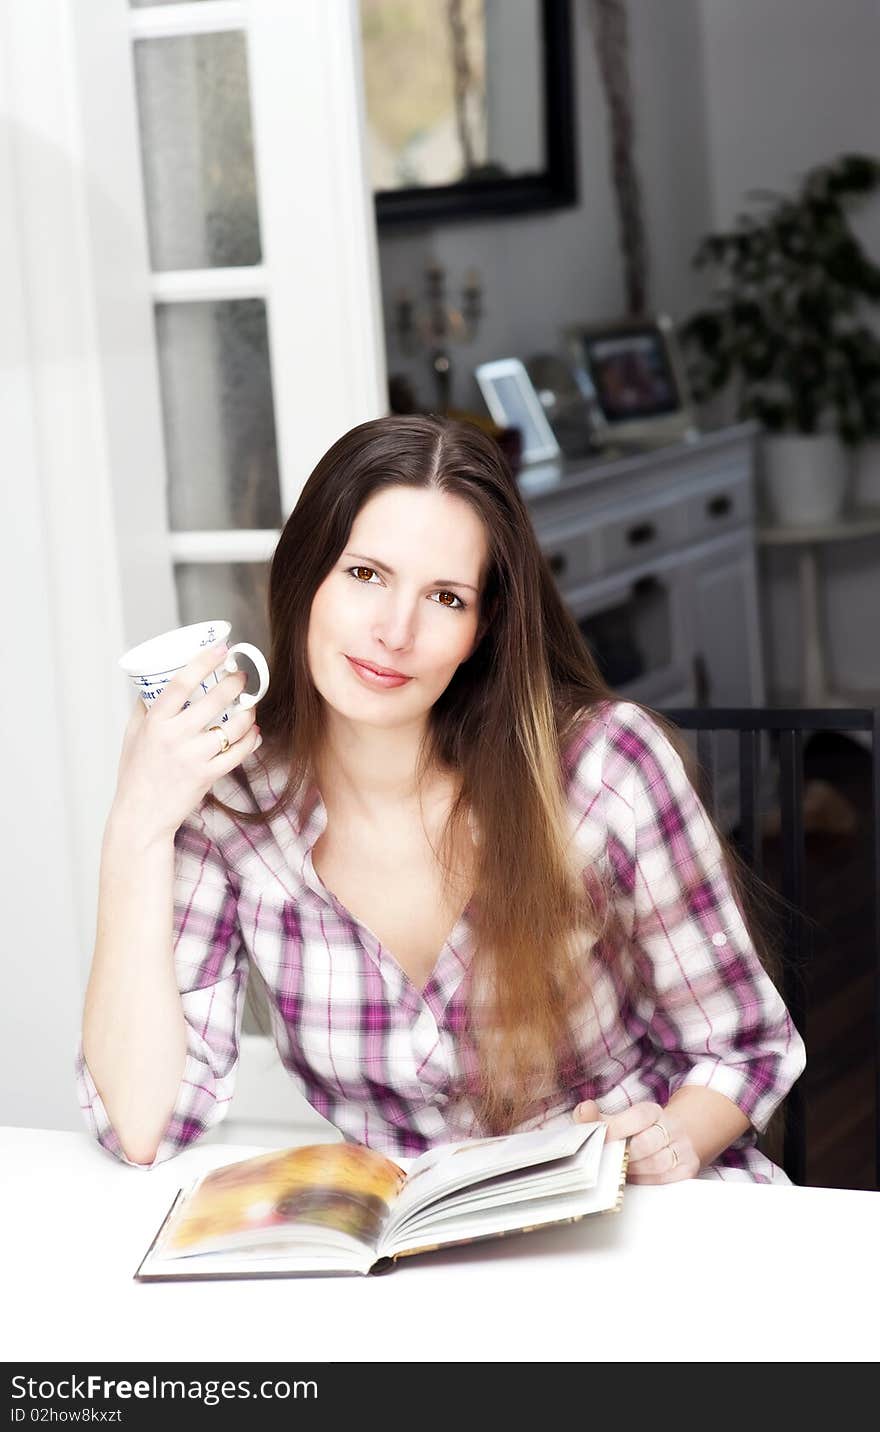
(246, 700)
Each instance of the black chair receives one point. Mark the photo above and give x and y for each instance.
(787, 730)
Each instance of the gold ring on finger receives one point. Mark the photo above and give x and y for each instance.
(671, 1148)
(665, 1132)
(224, 739)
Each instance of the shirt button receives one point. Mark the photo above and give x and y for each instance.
(718, 938)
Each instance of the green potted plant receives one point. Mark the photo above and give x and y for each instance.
(785, 329)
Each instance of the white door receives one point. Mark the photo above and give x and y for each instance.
(258, 231)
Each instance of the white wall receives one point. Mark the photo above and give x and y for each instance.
(61, 600)
(790, 84)
(542, 271)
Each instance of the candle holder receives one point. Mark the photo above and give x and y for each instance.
(438, 324)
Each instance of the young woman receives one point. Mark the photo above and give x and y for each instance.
(478, 890)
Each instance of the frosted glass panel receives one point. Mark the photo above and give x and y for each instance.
(218, 416)
(197, 151)
(237, 592)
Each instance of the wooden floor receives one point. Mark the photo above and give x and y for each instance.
(840, 1081)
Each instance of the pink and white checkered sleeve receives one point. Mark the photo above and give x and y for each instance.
(210, 964)
(716, 1012)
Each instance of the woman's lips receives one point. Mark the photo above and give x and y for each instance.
(374, 678)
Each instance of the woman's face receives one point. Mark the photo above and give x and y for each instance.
(403, 596)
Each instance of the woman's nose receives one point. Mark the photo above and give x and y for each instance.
(396, 625)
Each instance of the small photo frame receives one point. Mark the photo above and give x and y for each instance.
(513, 403)
(638, 374)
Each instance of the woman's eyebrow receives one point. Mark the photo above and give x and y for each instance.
(389, 572)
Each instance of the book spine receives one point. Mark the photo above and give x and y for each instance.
(383, 1265)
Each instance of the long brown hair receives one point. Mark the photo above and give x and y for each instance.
(503, 725)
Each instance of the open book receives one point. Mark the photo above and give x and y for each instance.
(342, 1208)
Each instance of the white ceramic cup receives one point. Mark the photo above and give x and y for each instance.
(153, 663)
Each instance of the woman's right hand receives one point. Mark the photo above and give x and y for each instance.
(169, 761)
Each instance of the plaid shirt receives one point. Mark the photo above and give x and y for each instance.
(379, 1057)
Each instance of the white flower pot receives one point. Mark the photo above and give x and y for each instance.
(806, 477)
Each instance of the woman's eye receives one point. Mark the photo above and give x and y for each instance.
(456, 605)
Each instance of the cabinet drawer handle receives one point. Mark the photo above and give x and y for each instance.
(702, 684)
(719, 506)
(646, 586)
(558, 563)
(645, 532)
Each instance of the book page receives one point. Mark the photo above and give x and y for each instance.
(448, 1167)
(572, 1173)
(469, 1224)
(319, 1196)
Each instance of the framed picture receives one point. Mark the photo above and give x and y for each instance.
(470, 108)
(637, 372)
(513, 403)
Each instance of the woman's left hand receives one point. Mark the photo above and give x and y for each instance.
(660, 1149)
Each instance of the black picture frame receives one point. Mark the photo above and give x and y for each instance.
(554, 187)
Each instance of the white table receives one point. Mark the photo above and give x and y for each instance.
(691, 1272)
(816, 690)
